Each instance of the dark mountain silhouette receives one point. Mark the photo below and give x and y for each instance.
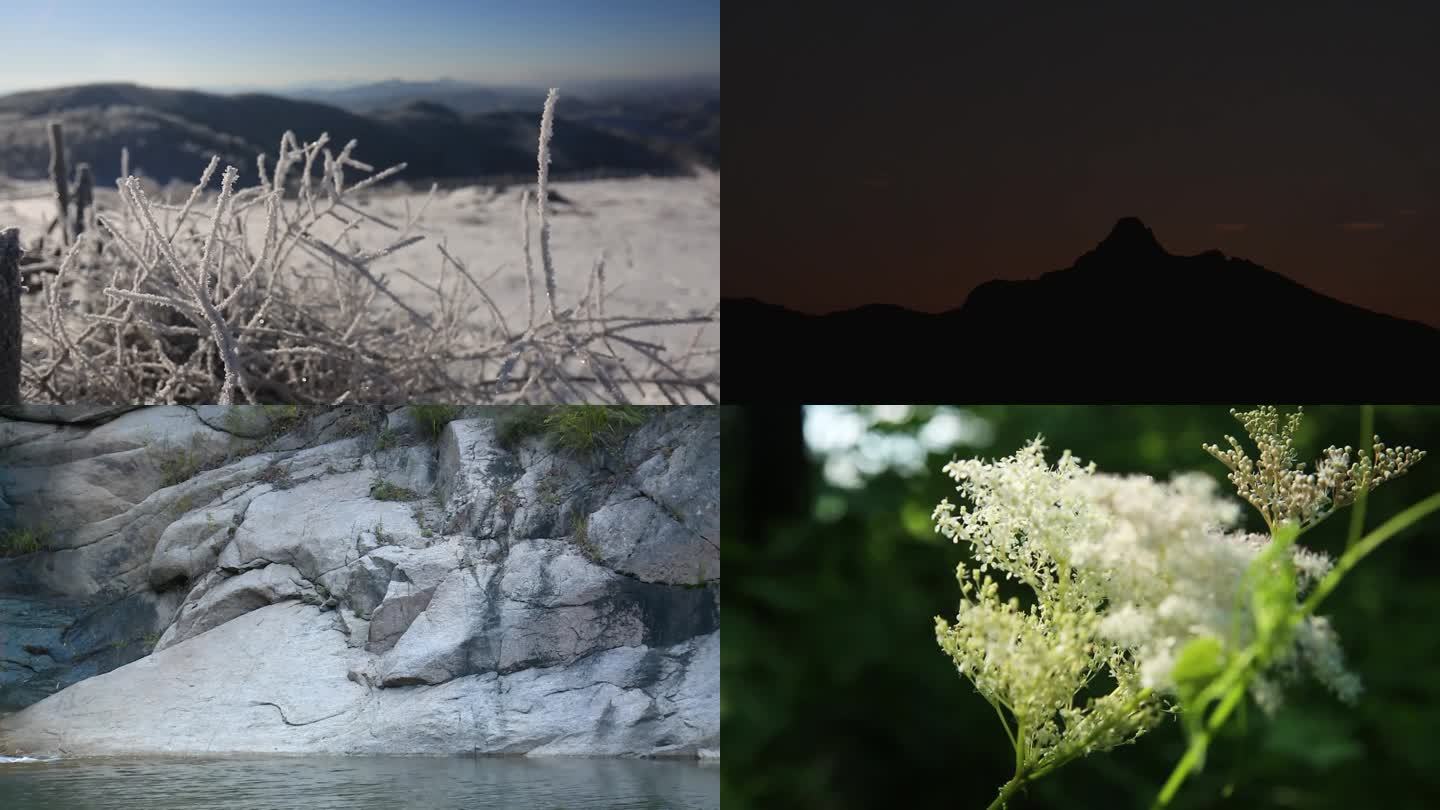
(1127, 321)
(171, 135)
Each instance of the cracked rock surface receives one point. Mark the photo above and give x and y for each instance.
(256, 579)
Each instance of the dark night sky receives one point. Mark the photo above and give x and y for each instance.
(906, 154)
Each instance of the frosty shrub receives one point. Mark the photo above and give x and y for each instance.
(185, 304)
(1143, 598)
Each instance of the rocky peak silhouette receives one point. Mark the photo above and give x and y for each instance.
(1129, 241)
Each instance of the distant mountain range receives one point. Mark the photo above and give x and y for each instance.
(463, 97)
(487, 133)
(680, 117)
(1127, 320)
(473, 97)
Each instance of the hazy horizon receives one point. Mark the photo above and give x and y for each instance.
(341, 84)
(276, 45)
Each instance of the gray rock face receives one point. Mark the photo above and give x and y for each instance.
(303, 582)
(275, 679)
(63, 414)
(403, 603)
(208, 607)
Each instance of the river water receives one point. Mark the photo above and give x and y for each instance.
(322, 782)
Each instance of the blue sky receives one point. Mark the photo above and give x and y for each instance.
(274, 43)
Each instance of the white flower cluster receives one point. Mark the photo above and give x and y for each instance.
(1174, 570)
(1125, 570)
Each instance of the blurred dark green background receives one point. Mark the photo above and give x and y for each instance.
(835, 695)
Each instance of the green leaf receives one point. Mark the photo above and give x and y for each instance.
(1199, 662)
(1272, 587)
(1197, 666)
(1285, 535)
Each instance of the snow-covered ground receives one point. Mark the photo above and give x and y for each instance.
(661, 238)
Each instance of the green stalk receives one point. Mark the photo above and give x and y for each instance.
(1235, 691)
(1021, 778)
(1007, 791)
(1366, 446)
(1372, 541)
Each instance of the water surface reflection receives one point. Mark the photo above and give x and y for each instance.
(324, 782)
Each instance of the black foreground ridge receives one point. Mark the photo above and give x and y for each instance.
(1127, 320)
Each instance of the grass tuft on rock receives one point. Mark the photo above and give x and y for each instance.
(382, 490)
(580, 428)
(587, 427)
(179, 463)
(582, 539)
(518, 422)
(20, 541)
(433, 418)
(387, 439)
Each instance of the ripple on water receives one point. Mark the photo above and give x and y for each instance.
(356, 782)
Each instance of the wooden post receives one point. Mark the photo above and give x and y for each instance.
(10, 253)
(60, 179)
(84, 195)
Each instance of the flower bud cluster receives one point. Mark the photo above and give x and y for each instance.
(1277, 485)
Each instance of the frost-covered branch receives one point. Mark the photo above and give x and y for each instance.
(189, 303)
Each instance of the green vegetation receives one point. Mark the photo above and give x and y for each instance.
(283, 418)
(508, 502)
(276, 476)
(320, 597)
(549, 489)
(179, 463)
(26, 540)
(274, 421)
(417, 511)
(382, 490)
(831, 580)
(515, 423)
(582, 538)
(585, 427)
(572, 427)
(434, 418)
(386, 440)
(151, 639)
(355, 424)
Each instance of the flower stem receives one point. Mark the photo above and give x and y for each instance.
(1007, 791)
(1367, 446)
(1196, 751)
(1371, 541)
